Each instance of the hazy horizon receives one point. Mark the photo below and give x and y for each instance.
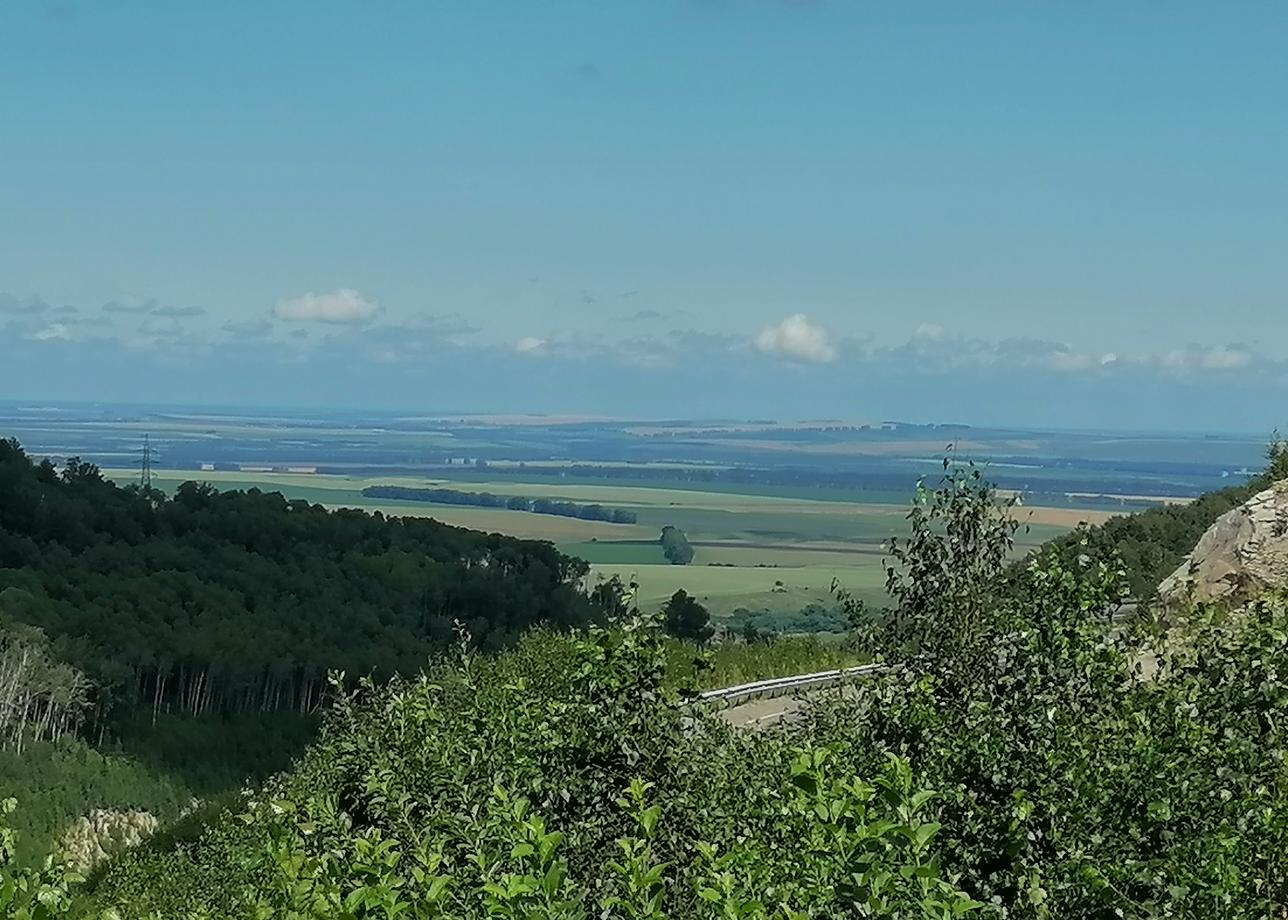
(503, 417)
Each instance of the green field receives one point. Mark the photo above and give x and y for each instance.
(762, 548)
(724, 589)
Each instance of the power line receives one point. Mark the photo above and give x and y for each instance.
(145, 464)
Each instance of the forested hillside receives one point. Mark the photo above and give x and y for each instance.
(242, 601)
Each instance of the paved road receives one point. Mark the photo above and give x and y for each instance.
(763, 713)
(767, 711)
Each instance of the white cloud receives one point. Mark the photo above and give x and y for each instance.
(1214, 358)
(54, 332)
(342, 306)
(798, 339)
(1225, 357)
(935, 350)
(530, 345)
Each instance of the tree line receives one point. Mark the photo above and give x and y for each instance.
(1115, 478)
(591, 512)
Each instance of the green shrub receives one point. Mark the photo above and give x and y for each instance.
(502, 787)
(27, 893)
(727, 663)
(61, 782)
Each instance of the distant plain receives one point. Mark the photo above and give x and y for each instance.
(777, 511)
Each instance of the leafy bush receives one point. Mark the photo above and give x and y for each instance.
(64, 781)
(1088, 771)
(214, 753)
(685, 618)
(753, 625)
(25, 893)
(500, 787)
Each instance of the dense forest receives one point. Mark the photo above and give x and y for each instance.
(234, 602)
(592, 512)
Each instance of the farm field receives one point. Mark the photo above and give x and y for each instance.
(724, 589)
(346, 492)
(753, 550)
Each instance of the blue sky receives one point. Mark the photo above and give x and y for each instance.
(1039, 213)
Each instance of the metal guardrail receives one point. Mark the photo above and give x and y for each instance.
(779, 686)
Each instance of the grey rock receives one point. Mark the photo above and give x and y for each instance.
(102, 834)
(1244, 553)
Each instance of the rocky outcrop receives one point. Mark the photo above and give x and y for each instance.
(104, 833)
(1241, 555)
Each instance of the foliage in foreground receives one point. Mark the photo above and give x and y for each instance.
(1087, 771)
(30, 894)
(559, 781)
(564, 780)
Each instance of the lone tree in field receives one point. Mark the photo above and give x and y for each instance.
(675, 546)
(685, 618)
